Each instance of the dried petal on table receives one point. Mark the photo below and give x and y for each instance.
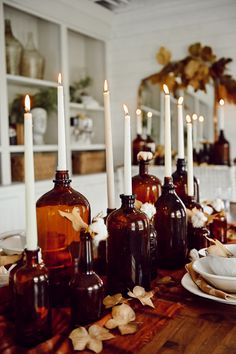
(110, 301)
(143, 296)
(122, 317)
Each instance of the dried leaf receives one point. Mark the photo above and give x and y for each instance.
(218, 249)
(110, 301)
(75, 218)
(138, 204)
(163, 56)
(195, 49)
(191, 68)
(130, 328)
(143, 296)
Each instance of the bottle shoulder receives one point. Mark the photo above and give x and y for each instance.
(171, 202)
(83, 280)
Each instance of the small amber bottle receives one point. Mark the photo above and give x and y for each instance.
(221, 150)
(128, 248)
(86, 288)
(31, 301)
(57, 238)
(170, 223)
(180, 181)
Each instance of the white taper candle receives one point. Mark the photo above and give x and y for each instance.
(190, 156)
(61, 127)
(139, 124)
(168, 160)
(127, 154)
(30, 205)
(109, 149)
(221, 117)
(180, 129)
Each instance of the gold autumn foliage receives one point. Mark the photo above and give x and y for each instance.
(199, 68)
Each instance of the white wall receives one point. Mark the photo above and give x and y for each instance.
(138, 34)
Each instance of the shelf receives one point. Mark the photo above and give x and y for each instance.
(26, 81)
(88, 147)
(37, 148)
(81, 106)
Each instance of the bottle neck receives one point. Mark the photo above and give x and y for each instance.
(127, 201)
(32, 257)
(85, 253)
(168, 186)
(62, 179)
(181, 165)
(143, 167)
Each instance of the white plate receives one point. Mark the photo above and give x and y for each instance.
(189, 285)
(231, 247)
(12, 242)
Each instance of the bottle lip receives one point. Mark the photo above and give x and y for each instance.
(65, 176)
(130, 197)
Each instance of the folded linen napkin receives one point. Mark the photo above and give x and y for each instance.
(205, 287)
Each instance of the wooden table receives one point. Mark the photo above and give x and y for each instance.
(199, 326)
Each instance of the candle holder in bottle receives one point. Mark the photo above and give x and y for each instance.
(180, 182)
(128, 248)
(86, 288)
(147, 189)
(170, 223)
(58, 240)
(32, 313)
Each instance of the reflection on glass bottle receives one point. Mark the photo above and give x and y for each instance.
(171, 225)
(31, 301)
(57, 238)
(86, 287)
(13, 50)
(128, 248)
(32, 64)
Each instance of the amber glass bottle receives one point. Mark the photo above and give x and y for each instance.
(86, 288)
(57, 238)
(31, 301)
(128, 248)
(137, 146)
(170, 223)
(146, 187)
(221, 150)
(180, 181)
(218, 227)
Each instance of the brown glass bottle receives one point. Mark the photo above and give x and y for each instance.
(197, 238)
(221, 150)
(31, 301)
(57, 238)
(138, 145)
(218, 227)
(170, 223)
(128, 248)
(180, 182)
(150, 144)
(86, 288)
(146, 187)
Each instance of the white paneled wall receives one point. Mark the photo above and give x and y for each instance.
(138, 34)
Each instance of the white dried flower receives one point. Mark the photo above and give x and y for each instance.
(198, 218)
(122, 317)
(98, 229)
(110, 301)
(143, 296)
(218, 205)
(149, 209)
(145, 156)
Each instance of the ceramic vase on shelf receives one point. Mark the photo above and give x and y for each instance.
(13, 50)
(32, 64)
(57, 238)
(32, 313)
(39, 116)
(128, 248)
(180, 182)
(170, 223)
(86, 288)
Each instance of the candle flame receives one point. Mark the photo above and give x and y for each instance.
(222, 102)
(105, 87)
(201, 119)
(194, 116)
(166, 90)
(138, 112)
(149, 114)
(59, 78)
(188, 119)
(27, 103)
(125, 109)
(180, 100)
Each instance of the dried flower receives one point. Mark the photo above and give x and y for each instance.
(148, 209)
(163, 56)
(198, 218)
(144, 156)
(91, 339)
(75, 218)
(143, 296)
(110, 301)
(98, 229)
(122, 317)
(218, 205)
